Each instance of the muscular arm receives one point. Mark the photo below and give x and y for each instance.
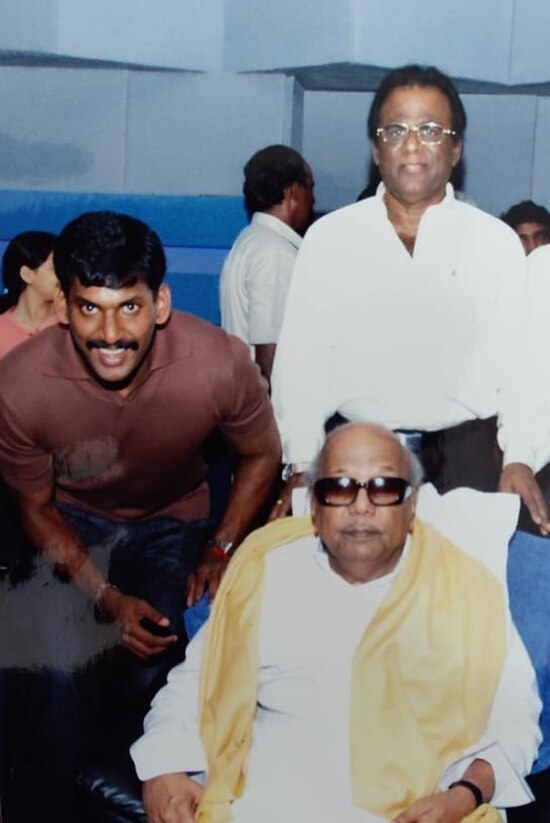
(50, 533)
(259, 460)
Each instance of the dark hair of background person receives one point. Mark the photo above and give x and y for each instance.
(526, 212)
(110, 250)
(415, 75)
(30, 248)
(268, 173)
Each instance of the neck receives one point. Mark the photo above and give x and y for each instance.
(33, 312)
(405, 216)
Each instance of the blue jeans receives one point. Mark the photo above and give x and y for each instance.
(151, 560)
(56, 716)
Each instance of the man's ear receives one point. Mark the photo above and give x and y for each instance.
(375, 154)
(413, 501)
(457, 151)
(60, 303)
(163, 304)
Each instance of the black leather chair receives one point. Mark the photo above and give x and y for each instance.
(108, 789)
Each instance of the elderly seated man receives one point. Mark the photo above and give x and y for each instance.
(356, 668)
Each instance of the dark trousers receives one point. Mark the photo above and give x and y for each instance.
(54, 716)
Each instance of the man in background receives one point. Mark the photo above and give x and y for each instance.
(278, 191)
(530, 222)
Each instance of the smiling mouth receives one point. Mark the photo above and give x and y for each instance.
(112, 357)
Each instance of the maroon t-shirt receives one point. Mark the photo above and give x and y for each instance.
(131, 457)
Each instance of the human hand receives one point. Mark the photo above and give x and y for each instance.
(207, 577)
(283, 505)
(131, 613)
(171, 798)
(519, 479)
(451, 806)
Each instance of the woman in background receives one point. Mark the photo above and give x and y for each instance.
(29, 286)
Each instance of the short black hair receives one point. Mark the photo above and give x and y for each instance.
(526, 212)
(268, 173)
(415, 75)
(30, 248)
(103, 248)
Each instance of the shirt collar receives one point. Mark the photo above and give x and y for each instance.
(447, 201)
(261, 218)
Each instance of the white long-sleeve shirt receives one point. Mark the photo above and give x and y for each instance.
(419, 342)
(299, 769)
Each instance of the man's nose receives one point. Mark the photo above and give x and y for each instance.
(412, 140)
(362, 503)
(110, 330)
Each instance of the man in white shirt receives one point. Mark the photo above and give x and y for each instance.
(409, 308)
(278, 191)
(345, 676)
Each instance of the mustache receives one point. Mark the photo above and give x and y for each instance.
(120, 344)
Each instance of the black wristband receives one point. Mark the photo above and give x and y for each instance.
(475, 790)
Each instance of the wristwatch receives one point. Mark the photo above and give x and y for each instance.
(222, 549)
(290, 469)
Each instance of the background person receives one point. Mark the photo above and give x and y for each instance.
(278, 192)
(29, 281)
(530, 222)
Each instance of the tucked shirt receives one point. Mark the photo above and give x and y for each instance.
(133, 457)
(255, 279)
(299, 766)
(419, 342)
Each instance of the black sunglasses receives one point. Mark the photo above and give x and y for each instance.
(343, 491)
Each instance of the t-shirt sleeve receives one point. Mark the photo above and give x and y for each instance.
(24, 464)
(243, 400)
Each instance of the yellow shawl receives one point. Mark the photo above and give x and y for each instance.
(423, 678)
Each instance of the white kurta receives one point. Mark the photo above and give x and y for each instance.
(299, 769)
(255, 279)
(418, 342)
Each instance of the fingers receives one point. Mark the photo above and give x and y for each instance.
(283, 505)
(207, 578)
(144, 630)
(519, 479)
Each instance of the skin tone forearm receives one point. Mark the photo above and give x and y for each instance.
(51, 534)
(455, 804)
(265, 354)
(259, 463)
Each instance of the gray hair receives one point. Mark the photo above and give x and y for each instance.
(416, 470)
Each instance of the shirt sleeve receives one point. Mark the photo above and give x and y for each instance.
(512, 736)
(243, 402)
(522, 306)
(24, 464)
(268, 282)
(171, 740)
